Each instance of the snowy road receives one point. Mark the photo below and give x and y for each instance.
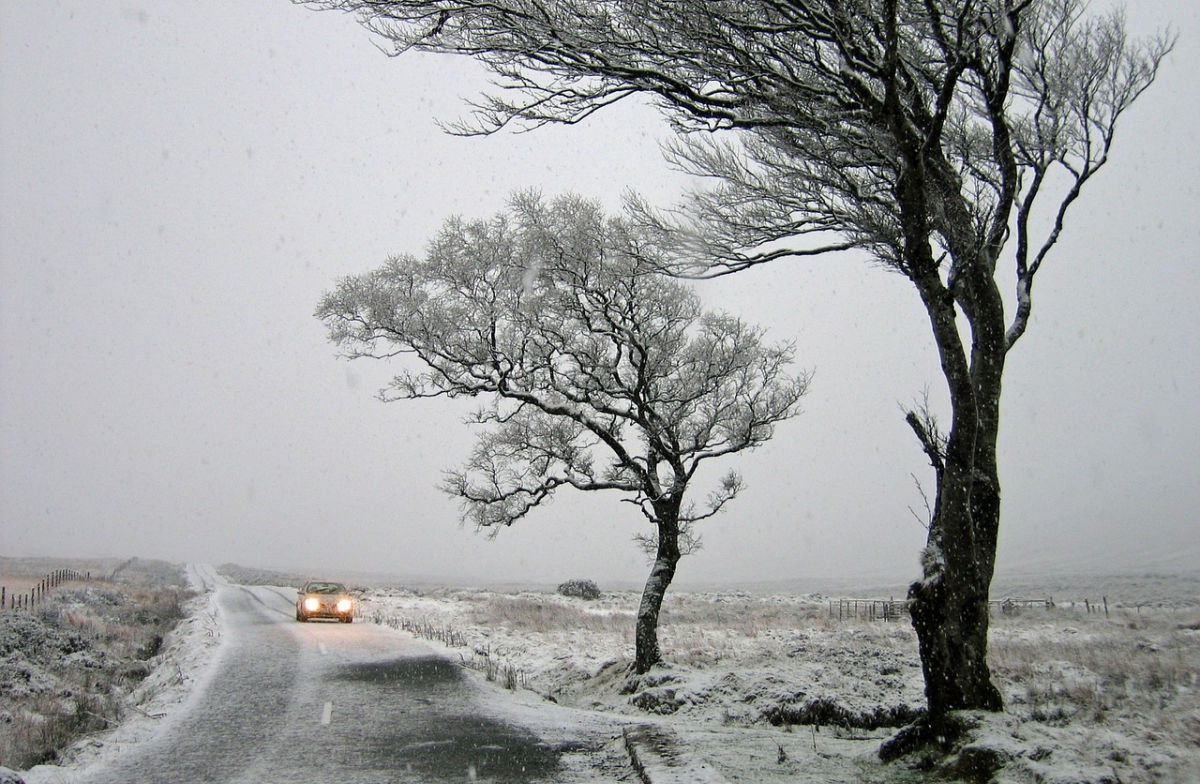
(330, 702)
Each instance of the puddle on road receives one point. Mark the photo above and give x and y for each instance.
(436, 744)
(423, 672)
(466, 748)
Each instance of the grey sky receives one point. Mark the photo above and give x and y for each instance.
(180, 182)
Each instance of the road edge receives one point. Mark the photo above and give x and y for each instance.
(660, 757)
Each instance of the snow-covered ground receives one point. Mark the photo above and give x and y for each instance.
(185, 661)
(1090, 698)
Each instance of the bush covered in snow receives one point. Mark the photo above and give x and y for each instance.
(583, 589)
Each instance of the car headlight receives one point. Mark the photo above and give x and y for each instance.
(344, 605)
(312, 604)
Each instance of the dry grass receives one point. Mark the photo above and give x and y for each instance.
(38, 728)
(1117, 698)
(24, 586)
(18, 583)
(1060, 668)
(693, 628)
(743, 614)
(1055, 666)
(71, 661)
(544, 613)
(504, 632)
(682, 615)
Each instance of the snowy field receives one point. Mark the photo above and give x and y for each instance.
(76, 662)
(771, 688)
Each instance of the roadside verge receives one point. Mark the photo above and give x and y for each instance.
(660, 757)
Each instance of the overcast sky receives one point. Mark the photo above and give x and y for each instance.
(180, 182)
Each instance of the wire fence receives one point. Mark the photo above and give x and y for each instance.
(868, 609)
(893, 610)
(38, 592)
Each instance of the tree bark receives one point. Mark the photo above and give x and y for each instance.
(950, 616)
(949, 610)
(647, 652)
(949, 606)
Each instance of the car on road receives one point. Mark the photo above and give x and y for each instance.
(320, 599)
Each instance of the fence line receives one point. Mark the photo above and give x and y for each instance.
(28, 600)
(1091, 606)
(869, 609)
(509, 676)
(1009, 605)
(891, 609)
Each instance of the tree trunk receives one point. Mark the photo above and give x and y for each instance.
(949, 606)
(950, 616)
(949, 609)
(647, 652)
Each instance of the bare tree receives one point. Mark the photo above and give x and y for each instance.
(940, 136)
(598, 374)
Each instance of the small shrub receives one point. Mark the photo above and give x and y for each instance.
(150, 649)
(583, 589)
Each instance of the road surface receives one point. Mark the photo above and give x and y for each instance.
(318, 702)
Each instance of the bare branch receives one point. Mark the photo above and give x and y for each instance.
(933, 441)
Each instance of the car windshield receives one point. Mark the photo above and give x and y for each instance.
(324, 588)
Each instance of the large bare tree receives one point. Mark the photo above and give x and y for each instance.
(599, 374)
(942, 137)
